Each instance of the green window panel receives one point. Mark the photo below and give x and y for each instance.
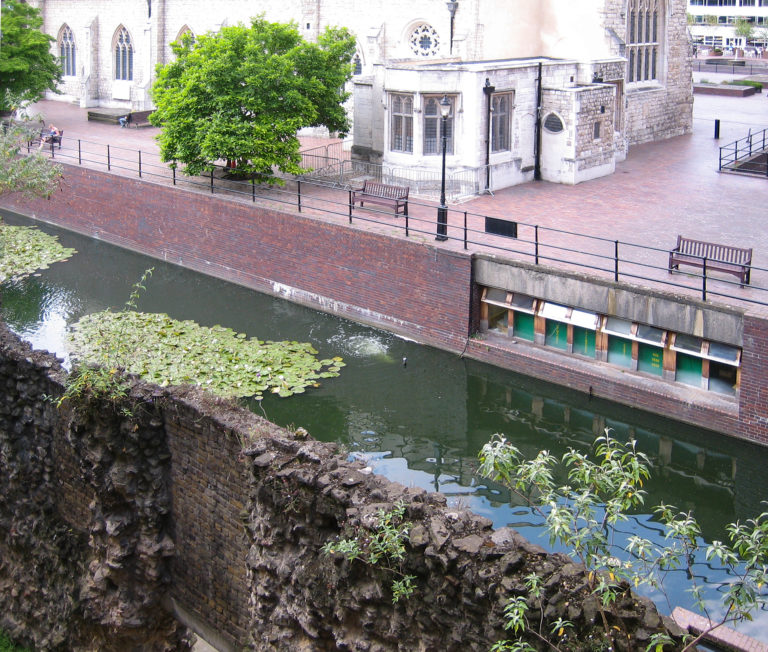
(650, 359)
(620, 351)
(688, 370)
(556, 334)
(523, 325)
(584, 341)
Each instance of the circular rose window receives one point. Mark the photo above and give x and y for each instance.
(424, 41)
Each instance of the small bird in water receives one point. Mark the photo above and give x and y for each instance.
(405, 361)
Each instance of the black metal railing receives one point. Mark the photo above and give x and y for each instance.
(615, 260)
(748, 155)
(733, 67)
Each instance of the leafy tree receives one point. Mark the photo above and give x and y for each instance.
(32, 175)
(584, 514)
(27, 66)
(241, 95)
(744, 29)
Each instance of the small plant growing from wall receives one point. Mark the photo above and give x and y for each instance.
(380, 543)
(583, 515)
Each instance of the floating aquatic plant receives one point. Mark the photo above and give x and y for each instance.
(170, 352)
(26, 249)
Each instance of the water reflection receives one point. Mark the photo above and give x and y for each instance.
(415, 414)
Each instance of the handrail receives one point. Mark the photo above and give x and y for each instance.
(744, 154)
(617, 260)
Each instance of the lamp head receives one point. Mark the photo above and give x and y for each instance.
(445, 107)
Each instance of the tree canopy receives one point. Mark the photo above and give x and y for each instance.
(27, 66)
(242, 93)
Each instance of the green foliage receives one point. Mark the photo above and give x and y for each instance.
(746, 82)
(242, 93)
(25, 249)
(33, 175)
(104, 374)
(27, 67)
(584, 513)
(7, 645)
(381, 544)
(169, 352)
(744, 28)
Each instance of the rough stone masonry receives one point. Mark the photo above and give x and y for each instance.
(111, 509)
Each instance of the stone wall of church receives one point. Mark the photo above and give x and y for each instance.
(666, 110)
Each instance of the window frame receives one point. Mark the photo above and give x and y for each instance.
(429, 118)
(401, 123)
(68, 52)
(123, 55)
(501, 122)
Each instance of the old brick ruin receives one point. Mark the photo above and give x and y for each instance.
(113, 513)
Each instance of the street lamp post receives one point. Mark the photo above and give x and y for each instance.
(442, 210)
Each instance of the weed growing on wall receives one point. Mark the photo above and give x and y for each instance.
(380, 543)
(583, 515)
(7, 645)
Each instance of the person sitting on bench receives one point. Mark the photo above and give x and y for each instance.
(49, 137)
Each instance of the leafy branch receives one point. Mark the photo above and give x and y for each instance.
(381, 545)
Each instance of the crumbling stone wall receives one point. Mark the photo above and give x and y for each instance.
(264, 500)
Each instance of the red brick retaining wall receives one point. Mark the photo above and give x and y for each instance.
(401, 285)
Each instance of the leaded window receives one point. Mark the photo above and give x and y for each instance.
(401, 136)
(67, 50)
(123, 56)
(501, 116)
(424, 41)
(432, 121)
(645, 32)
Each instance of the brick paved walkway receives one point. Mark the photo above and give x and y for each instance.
(662, 189)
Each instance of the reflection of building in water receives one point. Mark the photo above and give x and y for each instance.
(687, 463)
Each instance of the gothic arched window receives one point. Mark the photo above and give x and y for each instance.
(123, 55)
(67, 50)
(645, 35)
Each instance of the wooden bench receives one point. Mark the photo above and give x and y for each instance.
(381, 193)
(719, 258)
(46, 138)
(139, 118)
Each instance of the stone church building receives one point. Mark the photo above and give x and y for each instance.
(550, 89)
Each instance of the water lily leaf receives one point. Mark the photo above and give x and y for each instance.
(226, 363)
(26, 249)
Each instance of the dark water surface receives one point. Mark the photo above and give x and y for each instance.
(417, 414)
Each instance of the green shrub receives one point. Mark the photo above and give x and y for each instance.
(7, 645)
(747, 82)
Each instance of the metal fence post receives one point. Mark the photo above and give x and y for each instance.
(174, 175)
(109, 160)
(616, 261)
(704, 279)
(536, 244)
(79, 153)
(139, 164)
(298, 194)
(253, 191)
(211, 180)
(465, 229)
(349, 192)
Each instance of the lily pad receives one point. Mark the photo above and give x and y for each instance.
(26, 249)
(170, 352)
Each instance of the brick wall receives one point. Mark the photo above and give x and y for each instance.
(400, 285)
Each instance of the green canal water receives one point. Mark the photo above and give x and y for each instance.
(415, 414)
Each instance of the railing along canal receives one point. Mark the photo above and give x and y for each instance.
(617, 260)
